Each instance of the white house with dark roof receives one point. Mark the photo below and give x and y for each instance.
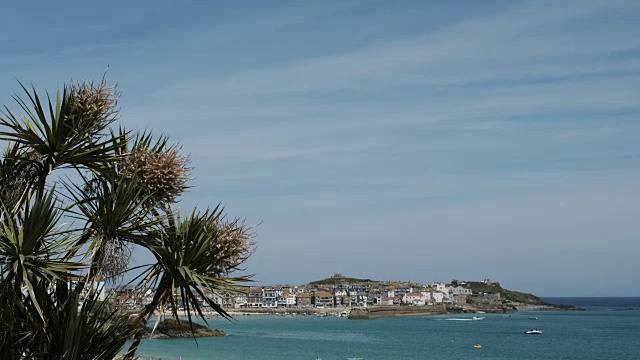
(416, 298)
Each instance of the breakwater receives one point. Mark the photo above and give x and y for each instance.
(373, 312)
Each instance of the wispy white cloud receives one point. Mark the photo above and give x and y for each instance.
(508, 129)
(242, 149)
(515, 44)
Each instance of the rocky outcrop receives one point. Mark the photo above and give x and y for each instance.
(170, 328)
(547, 307)
(470, 309)
(486, 293)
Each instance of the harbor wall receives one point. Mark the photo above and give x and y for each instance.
(375, 312)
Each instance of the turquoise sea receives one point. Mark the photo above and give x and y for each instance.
(609, 329)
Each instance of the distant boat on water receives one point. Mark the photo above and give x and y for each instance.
(533, 332)
(476, 318)
(533, 318)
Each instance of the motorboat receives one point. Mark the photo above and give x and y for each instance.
(533, 332)
(477, 318)
(533, 318)
(477, 346)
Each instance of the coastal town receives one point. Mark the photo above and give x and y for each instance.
(340, 292)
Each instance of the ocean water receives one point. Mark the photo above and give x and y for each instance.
(608, 329)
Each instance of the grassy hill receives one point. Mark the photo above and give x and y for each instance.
(508, 295)
(340, 280)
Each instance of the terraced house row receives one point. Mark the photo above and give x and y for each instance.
(337, 293)
(346, 294)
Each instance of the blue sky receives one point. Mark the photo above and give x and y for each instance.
(406, 140)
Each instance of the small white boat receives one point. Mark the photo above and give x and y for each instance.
(354, 358)
(533, 332)
(477, 318)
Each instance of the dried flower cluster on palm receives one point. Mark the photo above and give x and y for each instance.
(163, 173)
(92, 107)
(63, 234)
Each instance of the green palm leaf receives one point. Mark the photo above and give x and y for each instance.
(51, 132)
(87, 328)
(115, 216)
(188, 265)
(117, 198)
(16, 176)
(32, 249)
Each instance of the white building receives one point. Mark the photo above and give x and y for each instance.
(438, 286)
(241, 300)
(416, 298)
(438, 297)
(269, 298)
(341, 292)
(291, 299)
(458, 290)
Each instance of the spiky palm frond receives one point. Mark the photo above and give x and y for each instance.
(83, 327)
(187, 260)
(16, 176)
(87, 328)
(115, 215)
(20, 326)
(188, 265)
(32, 249)
(121, 199)
(56, 134)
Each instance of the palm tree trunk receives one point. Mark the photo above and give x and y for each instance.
(141, 321)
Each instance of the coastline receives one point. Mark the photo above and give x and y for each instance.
(547, 307)
(308, 337)
(275, 311)
(374, 312)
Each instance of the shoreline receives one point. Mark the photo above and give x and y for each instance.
(274, 311)
(374, 312)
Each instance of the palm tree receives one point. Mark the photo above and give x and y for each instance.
(77, 197)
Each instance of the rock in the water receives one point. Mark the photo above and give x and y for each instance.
(171, 328)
